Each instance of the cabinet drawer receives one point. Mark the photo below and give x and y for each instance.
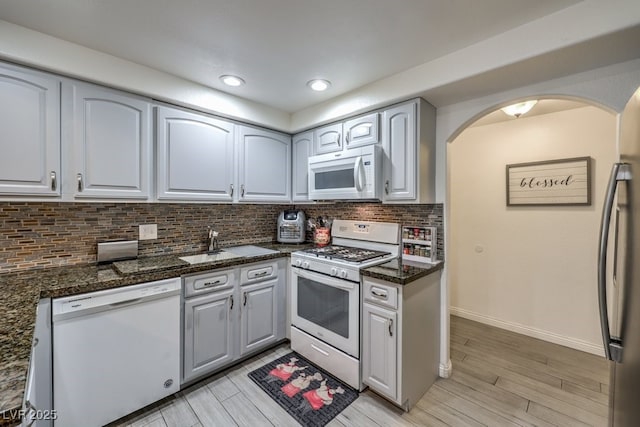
(208, 282)
(380, 293)
(259, 272)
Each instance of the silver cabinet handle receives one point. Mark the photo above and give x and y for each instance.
(347, 137)
(217, 282)
(241, 190)
(244, 296)
(231, 191)
(386, 187)
(30, 408)
(231, 298)
(390, 327)
(612, 347)
(79, 179)
(379, 294)
(54, 181)
(338, 139)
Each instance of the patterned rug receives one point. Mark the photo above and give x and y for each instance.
(309, 394)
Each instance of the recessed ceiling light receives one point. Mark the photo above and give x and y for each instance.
(319, 85)
(230, 80)
(516, 110)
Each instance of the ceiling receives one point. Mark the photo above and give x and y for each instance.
(543, 106)
(276, 46)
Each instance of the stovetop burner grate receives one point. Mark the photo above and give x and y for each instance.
(346, 253)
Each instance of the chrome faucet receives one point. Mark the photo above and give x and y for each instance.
(213, 240)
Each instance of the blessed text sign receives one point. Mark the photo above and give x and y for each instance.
(552, 182)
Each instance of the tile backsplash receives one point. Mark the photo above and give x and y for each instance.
(38, 235)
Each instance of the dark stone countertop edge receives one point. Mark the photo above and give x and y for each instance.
(14, 367)
(398, 276)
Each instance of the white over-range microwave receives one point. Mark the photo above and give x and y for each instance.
(351, 174)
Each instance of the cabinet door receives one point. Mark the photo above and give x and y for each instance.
(110, 136)
(302, 145)
(362, 130)
(399, 141)
(265, 166)
(30, 124)
(209, 333)
(259, 315)
(195, 156)
(327, 139)
(379, 350)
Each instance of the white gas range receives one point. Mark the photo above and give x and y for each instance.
(325, 294)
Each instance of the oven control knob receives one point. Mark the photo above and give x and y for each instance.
(305, 264)
(343, 274)
(298, 262)
(334, 271)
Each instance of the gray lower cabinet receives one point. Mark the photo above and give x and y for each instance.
(401, 337)
(380, 339)
(209, 333)
(230, 314)
(259, 318)
(30, 123)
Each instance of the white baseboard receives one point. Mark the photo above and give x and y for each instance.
(445, 369)
(529, 331)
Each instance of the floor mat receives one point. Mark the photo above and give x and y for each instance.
(308, 393)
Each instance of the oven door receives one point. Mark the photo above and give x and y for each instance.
(327, 308)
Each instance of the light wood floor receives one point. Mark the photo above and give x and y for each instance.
(499, 379)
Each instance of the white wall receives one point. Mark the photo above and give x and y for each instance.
(530, 269)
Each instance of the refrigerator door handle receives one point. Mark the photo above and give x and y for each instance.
(619, 172)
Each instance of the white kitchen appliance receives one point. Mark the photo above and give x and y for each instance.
(291, 226)
(115, 351)
(351, 174)
(325, 294)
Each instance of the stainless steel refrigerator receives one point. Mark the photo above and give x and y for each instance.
(620, 300)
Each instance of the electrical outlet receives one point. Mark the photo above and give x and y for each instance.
(147, 231)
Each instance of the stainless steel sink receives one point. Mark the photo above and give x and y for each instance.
(249, 250)
(228, 253)
(201, 258)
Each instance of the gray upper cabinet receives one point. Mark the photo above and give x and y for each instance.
(399, 142)
(195, 156)
(264, 166)
(363, 130)
(408, 141)
(327, 139)
(30, 123)
(301, 148)
(110, 137)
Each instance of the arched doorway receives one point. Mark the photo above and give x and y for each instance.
(529, 269)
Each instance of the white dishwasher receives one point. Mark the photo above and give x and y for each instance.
(115, 351)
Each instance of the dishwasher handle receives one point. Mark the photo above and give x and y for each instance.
(112, 299)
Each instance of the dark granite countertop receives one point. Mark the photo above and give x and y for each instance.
(401, 271)
(20, 293)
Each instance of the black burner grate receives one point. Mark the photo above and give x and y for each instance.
(346, 253)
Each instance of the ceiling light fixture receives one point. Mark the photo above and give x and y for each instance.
(319, 85)
(516, 110)
(230, 80)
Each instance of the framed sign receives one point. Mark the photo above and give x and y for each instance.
(551, 182)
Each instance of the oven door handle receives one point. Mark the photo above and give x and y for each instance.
(326, 280)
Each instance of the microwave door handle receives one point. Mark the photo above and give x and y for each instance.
(357, 174)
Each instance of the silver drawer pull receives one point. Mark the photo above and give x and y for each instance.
(217, 282)
(379, 294)
(319, 350)
(262, 273)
